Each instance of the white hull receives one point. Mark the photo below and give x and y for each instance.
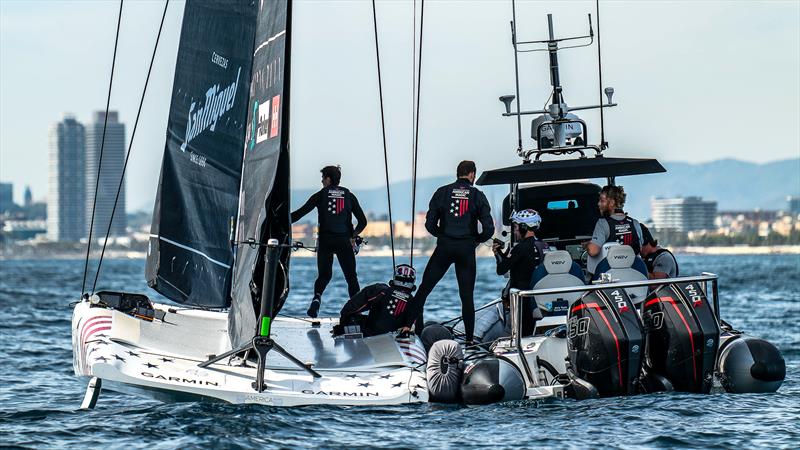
(161, 359)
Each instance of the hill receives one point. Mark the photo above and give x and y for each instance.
(734, 184)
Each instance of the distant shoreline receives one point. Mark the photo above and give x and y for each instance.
(483, 251)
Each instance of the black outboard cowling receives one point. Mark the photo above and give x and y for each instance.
(605, 342)
(682, 336)
(748, 364)
(492, 380)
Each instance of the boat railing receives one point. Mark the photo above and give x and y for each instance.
(708, 280)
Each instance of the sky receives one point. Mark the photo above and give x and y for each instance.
(695, 81)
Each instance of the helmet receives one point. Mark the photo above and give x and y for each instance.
(404, 276)
(527, 219)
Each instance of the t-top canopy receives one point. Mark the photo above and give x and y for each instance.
(570, 169)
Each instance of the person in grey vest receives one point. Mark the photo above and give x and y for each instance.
(661, 263)
(614, 224)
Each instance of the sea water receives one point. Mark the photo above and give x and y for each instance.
(39, 395)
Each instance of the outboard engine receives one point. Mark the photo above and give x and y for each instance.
(605, 342)
(748, 364)
(682, 336)
(492, 380)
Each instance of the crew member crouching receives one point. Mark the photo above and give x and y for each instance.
(386, 305)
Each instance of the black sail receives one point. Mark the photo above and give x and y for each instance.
(264, 204)
(189, 255)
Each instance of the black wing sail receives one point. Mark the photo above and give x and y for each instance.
(189, 255)
(264, 204)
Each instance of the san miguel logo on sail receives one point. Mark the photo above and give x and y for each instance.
(204, 116)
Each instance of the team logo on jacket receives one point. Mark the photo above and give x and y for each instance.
(398, 302)
(624, 233)
(335, 201)
(459, 202)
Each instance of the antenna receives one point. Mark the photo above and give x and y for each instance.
(603, 143)
(556, 131)
(516, 75)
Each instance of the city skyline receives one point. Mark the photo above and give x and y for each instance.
(73, 212)
(334, 111)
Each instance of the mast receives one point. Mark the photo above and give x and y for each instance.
(263, 212)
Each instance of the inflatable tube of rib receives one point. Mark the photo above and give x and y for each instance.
(492, 380)
(748, 364)
(605, 341)
(433, 333)
(444, 370)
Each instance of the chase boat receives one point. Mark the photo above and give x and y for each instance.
(602, 328)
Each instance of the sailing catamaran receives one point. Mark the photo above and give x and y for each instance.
(221, 240)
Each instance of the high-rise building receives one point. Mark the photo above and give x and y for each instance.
(28, 199)
(110, 172)
(794, 204)
(66, 197)
(6, 197)
(683, 213)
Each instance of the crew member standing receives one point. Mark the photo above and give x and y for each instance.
(614, 225)
(453, 216)
(335, 207)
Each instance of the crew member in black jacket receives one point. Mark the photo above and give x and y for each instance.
(335, 207)
(453, 216)
(386, 305)
(521, 261)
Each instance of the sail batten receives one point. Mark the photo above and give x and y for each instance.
(190, 258)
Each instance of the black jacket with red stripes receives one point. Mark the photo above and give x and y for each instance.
(386, 307)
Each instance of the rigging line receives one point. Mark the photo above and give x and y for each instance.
(600, 80)
(102, 145)
(413, 99)
(383, 130)
(416, 134)
(130, 145)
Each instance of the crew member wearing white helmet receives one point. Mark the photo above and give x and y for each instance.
(522, 259)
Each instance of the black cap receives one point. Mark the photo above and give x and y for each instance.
(647, 237)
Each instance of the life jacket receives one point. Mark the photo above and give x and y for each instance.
(458, 211)
(624, 232)
(651, 259)
(335, 211)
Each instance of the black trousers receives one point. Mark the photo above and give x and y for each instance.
(462, 254)
(343, 249)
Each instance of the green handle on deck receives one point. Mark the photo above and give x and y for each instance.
(265, 326)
